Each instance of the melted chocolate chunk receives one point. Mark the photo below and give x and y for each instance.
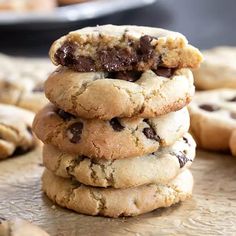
(116, 125)
(209, 107)
(74, 132)
(233, 115)
(84, 64)
(130, 76)
(233, 99)
(165, 72)
(65, 54)
(150, 133)
(145, 44)
(182, 159)
(116, 59)
(65, 115)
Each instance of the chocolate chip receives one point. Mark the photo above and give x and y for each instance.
(233, 99)
(233, 115)
(145, 50)
(74, 132)
(182, 159)
(185, 140)
(209, 107)
(165, 72)
(150, 133)
(29, 129)
(116, 125)
(65, 115)
(145, 44)
(38, 89)
(117, 59)
(65, 54)
(130, 76)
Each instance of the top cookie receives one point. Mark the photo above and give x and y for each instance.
(121, 48)
(218, 69)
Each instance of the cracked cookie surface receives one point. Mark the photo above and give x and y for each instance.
(108, 95)
(159, 167)
(218, 69)
(15, 131)
(22, 81)
(213, 118)
(113, 139)
(121, 48)
(116, 202)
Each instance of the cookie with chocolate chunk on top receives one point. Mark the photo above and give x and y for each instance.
(213, 118)
(102, 95)
(122, 48)
(112, 139)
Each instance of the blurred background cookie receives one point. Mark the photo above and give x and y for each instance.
(22, 81)
(27, 5)
(19, 227)
(213, 118)
(15, 131)
(218, 69)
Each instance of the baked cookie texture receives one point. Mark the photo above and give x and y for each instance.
(19, 227)
(218, 69)
(15, 131)
(116, 202)
(159, 167)
(121, 48)
(114, 139)
(22, 82)
(101, 95)
(213, 118)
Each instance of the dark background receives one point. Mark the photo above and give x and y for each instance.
(206, 23)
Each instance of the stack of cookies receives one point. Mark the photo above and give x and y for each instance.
(115, 135)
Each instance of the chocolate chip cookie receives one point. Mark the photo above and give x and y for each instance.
(116, 202)
(104, 95)
(15, 131)
(213, 118)
(18, 227)
(159, 167)
(22, 81)
(232, 143)
(113, 139)
(122, 48)
(218, 69)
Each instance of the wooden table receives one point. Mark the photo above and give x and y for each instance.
(211, 211)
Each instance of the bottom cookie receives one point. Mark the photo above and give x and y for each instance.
(116, 202)
(232, 143)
